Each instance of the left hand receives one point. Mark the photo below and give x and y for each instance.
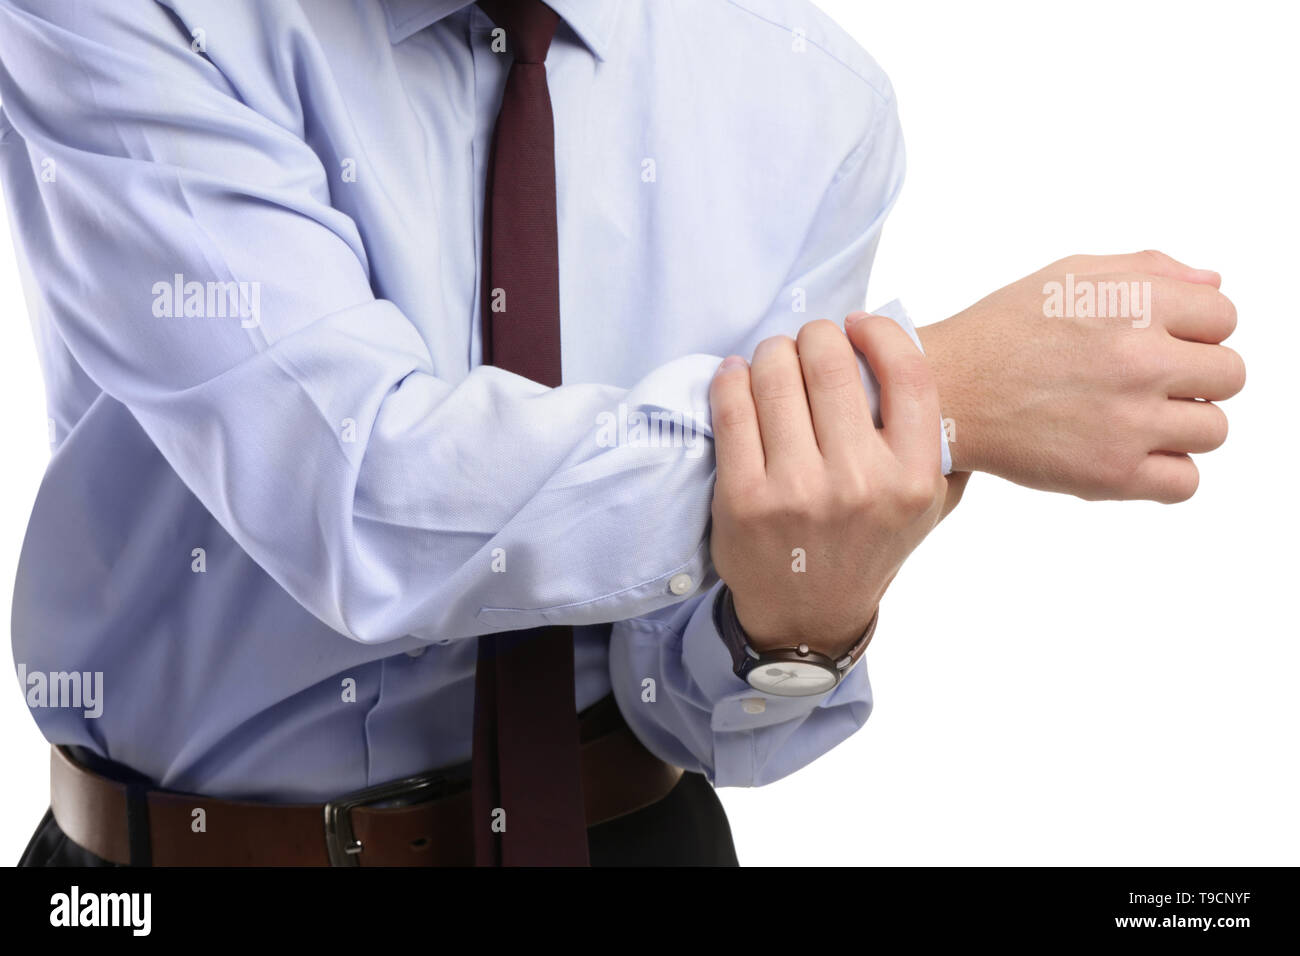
(815, 509)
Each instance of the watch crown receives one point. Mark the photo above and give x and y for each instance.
(802, 649)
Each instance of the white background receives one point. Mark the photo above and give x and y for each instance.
(1057, 682)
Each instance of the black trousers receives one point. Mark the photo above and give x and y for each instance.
(686, 828)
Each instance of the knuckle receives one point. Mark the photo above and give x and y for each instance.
(1236, 371)
(799, 497)
(817, 328)
(911, 371)
(776, 388)
(745, 506)
(1223, 313)
(916, 492)
(826, 356)
(732, 414)
(831, 372)
(1216, 428)
(1152, 258)
(1179, 485)
(785, 497)
(790, 508)
(775, 347)
(851, 490)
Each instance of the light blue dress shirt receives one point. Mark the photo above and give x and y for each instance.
(285, 495)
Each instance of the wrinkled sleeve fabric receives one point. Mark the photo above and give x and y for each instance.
(378, 494)
(314, 428)
(670, 670)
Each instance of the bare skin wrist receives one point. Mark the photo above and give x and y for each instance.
(954, 379)
(831, 640)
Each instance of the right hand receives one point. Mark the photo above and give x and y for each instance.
(1101, 408)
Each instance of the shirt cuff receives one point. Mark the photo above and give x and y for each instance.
(738, 708)
(895, 310)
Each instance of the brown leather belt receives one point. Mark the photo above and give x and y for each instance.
(379, 826)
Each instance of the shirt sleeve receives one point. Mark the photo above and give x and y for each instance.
(310, 421)
(670, 671)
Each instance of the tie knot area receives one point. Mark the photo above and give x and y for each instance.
(529, 24)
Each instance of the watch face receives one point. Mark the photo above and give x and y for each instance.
(791, 679)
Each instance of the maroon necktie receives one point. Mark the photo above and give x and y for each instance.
(527, 788)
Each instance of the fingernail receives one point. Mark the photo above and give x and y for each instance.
(853, 318)
(731, 361)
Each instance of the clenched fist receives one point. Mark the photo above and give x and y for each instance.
(815, 509)
(1095, 376)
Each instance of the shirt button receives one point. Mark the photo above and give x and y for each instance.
(415, 652)
(753, 705)
(680, 584)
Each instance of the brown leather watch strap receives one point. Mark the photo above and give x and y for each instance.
(619, 776)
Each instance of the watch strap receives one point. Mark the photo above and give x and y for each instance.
(744, 654)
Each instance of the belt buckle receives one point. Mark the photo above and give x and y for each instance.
(340, 840)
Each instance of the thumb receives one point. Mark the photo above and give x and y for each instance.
(909, 398)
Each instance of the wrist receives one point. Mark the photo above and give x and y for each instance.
(789, 670)
(833, 640)
(954, 380)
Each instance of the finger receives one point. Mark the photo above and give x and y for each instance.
(1148, 262)
(1213, 372)
(909, 398)
(1194, 313)
(841, 415)
(784, 421)
(1166, 478)
(1186, 310)
(736, 440)
(1186, 425)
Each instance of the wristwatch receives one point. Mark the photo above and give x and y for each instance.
(792, 671)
